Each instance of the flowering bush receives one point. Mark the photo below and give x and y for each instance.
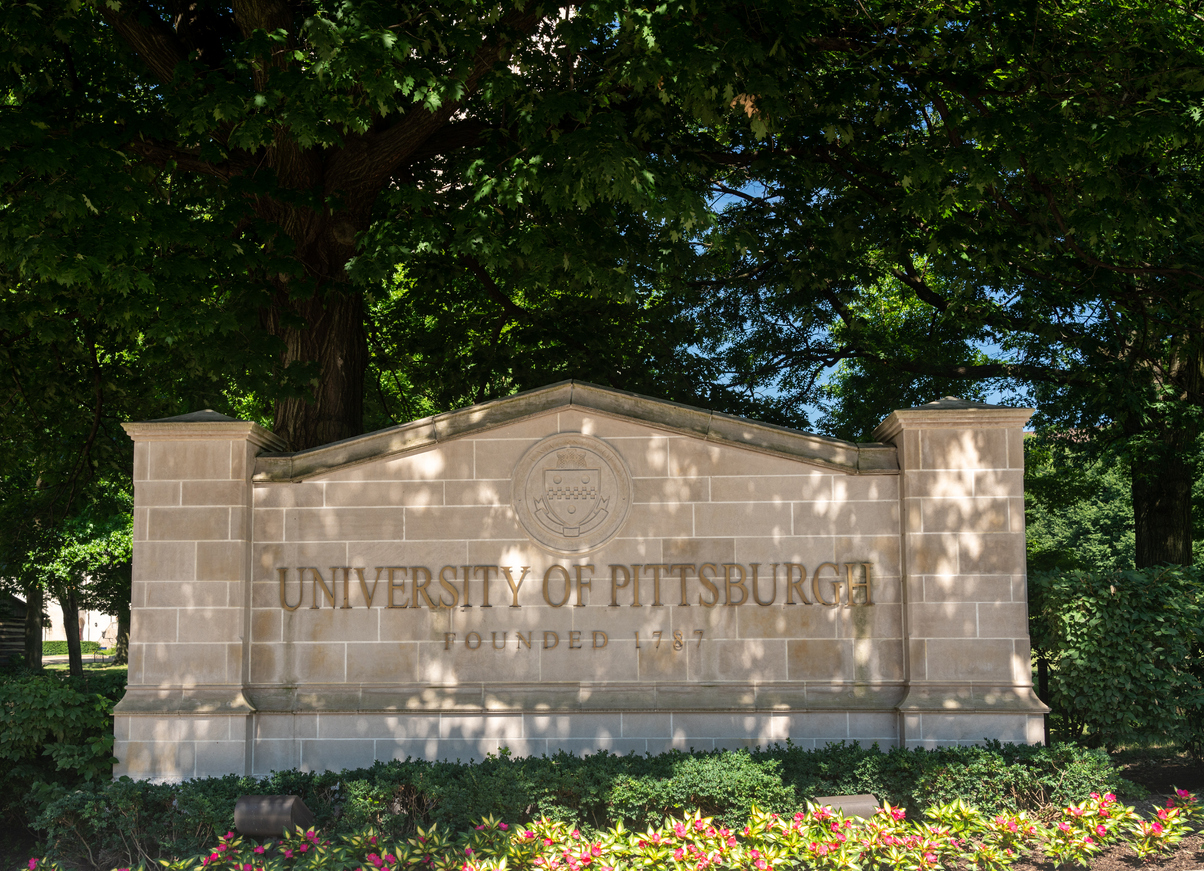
(817, 838)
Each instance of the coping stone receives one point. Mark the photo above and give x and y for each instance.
(674, 417)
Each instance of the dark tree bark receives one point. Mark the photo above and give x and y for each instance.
(121, 655)
(34, 603)
(71, 624)
(1162, 483)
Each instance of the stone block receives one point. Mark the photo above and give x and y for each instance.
(987, 660)
(602, 426)
(184, 594)
(343, 524)
(320, 662)
(846, 518)
(721, 520)
(269, 756)
(967, 588)
(881, 620)
(221, 561)
(289, 495)
(820, 660)
(865, 488)
(674, 490)
(636, 725)
(191, 459)
(466, 522)
(357, 494)
(144, 760)
(991, 553)
(963, 449)
(499, 727)
(963, 515)
(334, 755)
(285, 726)
(1002, 620)
(696, 551)
(156, 493)
(267, 524)
(449, 461)
(188, 524)
(150, 625)
(752, 660)
(944, 484)
(211, 624)
(228, 493)
(493, 492)
(772, 488)
(934, 553)
(689, 458)
(788, 621)
(883, 551)
(382, 663)
(998, 483)
(942, 620)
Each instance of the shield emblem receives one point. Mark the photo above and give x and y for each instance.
(571, 497)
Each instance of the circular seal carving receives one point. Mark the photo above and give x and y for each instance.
(571, 493)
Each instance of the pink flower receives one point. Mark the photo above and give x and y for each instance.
(527, 833)
(679, 854)
(468, 851)
(1063, 826)
(1101, 831)
(1095, 795)
(731, 842)
(699, 825)
(576, 835)
(595, 850)
(502, 826)
(229, 836)
(288, 854)
(898, 813)
(479, 828)
(547, 842)
(1157, 828)
(760, 863)
(1182, 793)
(1088, 841)
(679, 830)
(33, 863)
(259, 850)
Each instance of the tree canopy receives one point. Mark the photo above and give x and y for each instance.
(341, 211)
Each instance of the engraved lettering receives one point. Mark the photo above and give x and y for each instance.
(547, 578)
(575, 639)
(495, 644)
(682, 570)
(449, 638)
(484, 571)
(521, 640)
(515, 587)
(283, 575)
(635, 586)
(605, 639)
(709, 583)
(793, 586)
(420, 589)
(656, 582)
(858, 585)
(555, 640)
(334, 580)
(615, 584)
(819, 597)
(467, 603)
(368, 594)
(468, 640)
(327, 592)
(446, 583)
(756, 594)
(729, 584)
(393, 587)
(589, 585)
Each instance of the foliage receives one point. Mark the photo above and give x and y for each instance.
(56, 733)
(59, 648)
(128, 820)
(1123, 646)
(813, 838)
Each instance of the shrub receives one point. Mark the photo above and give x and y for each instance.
(59, 648)
(953, 834)
(126, 821)
(1124, 650)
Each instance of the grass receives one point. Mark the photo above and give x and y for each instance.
(89, 667)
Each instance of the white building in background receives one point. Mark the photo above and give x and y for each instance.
(94, 626)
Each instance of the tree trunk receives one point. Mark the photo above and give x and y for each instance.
(333, 341)
(71, 625)
(34, 603)
(1162, 481)
(121, 656)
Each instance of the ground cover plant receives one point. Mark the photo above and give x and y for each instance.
(814, 838)
(125, 822)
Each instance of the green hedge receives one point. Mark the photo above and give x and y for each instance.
(115, 822)
(59, 648)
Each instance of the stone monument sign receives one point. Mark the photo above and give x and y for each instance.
(572, 568)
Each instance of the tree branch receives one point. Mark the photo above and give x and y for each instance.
(156, 44)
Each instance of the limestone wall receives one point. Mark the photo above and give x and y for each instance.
(572, 569)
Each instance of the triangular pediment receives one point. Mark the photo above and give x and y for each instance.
(658, 414)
